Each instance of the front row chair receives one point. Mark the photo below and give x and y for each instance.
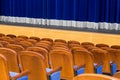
(34, 62)
(94, 77)
(5, 72)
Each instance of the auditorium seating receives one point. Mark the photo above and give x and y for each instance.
(34, 62)
(94, 77)
(7, 75)
(74, 57)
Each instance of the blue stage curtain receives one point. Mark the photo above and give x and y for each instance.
(59, 9)
(68, 9)
(5, 7)
(81, 10)
(73, 10)
(118, 11)
(93, 10)
(51, 11)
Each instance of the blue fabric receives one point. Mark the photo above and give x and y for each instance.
(22, 78)
(78, 10)
(98, 69)
(113, 68)
(80, 71)
(54, 76)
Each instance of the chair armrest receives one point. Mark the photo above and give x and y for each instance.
(26, 72)
(78, 67)
(55, 70)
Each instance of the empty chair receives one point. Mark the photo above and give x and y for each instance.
(115, 46)
(33, 41)
(25, 44)
(73, 42)
(87, 43)
(112, 56)
(23, 36)
(94, 77)
(11, 56)
(34, 62)
(60, 40)
(42, 51)
(6, 75)
(102, 57)
(4, 43)
(15, 47)
(1, 34)
(64, 59)
(11, 35)
(43, 45)
(85, 58)
(102, 45)
(35, 38)
(47, 39)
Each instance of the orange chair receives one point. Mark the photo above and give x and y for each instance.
(102, 45)
(47, 39)
(83, 57)
(94, 77)
(43, 45)
(11, 56)
(5, 75)
(34, 62)
(11, 35)
(115, 46)
(33, 41)
(25, 44)
(4, 43)
(60, 40)
(102, 57)
(1, 34)
(73, 42)
(22, 36)
(15, 47)
(42, 51)
(87, 43)
(113, 60)
(35, 38)
(64, 58)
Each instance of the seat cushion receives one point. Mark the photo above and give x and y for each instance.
(79, 71)
(22, 78)
(54, 76)
(98, 69)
